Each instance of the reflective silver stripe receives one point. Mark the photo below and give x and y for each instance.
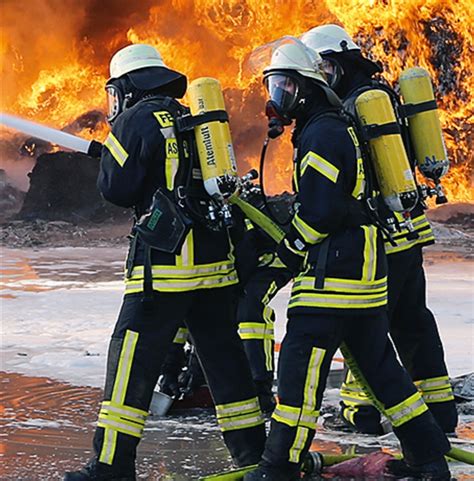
(321, 165)
(262, 332)
(400, 412)
(235, 423)
(138, 417)
(345, 284)
(121, 427)
(310, 235)
(407, 242)
(240, 407)
(286, 416)
(123, 371)
(108, 446)
(312, 379)
(161, 271)
(298, 444)
(181, 336)
(431, 384)
(168, 132)
(309, 419)
(185, 284)
(116, 149)
(327, 299)
(438, 397)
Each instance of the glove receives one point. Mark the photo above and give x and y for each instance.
(290, 255)
(95, 149)
(168, 384)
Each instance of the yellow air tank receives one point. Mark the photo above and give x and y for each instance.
(214, 143)
(389, 159)
(423, 123)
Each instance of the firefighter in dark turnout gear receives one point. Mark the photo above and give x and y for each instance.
(195, 285)
(340, 291)
(412, 325)
(261, 276)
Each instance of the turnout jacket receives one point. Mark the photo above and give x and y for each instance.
(330, 182)
(420, 221)
(139, 155)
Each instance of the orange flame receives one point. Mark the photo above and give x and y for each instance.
(53, 59)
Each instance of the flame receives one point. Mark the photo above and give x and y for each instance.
(53, 59)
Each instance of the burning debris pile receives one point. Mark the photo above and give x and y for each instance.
(63, 187)
(58, 78)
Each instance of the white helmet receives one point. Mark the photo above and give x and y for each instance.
(289, 56)
(139, 68)
(295, 56)
(134, 57)
(329, 39)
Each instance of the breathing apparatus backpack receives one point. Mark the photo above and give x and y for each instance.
(395, 137)
(207, 174)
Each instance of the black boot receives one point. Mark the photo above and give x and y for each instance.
(265, 474)
(95, 471)
(434, 471)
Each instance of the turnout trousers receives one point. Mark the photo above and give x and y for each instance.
(142, 336)
(256, 319)
(305, 358)
(415, 334)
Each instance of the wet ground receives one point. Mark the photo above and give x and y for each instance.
(58, 309)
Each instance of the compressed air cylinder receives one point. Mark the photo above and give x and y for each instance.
(389, 159)
(214, 143)
(424, 127)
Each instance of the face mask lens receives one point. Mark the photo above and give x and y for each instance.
(283, 91)
(113, 102)
(332, 72)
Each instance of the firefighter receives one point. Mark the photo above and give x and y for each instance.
(412, 325)
(261, 275)
(141, 166)
(339, 294)
(255, 316)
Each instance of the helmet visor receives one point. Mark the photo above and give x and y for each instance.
(113, 102)
(283, 91)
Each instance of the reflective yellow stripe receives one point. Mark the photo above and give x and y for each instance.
(116, 149)
(421, 226)
(349, 413)
(172, 158)
(288, 415)
(108, 446)
(178, 285)
(312, 381)
(370, 253)
(118, 396)
(124, 367)
(183, 270)
(406, 410)
(247, 405)
(300, 440)
(310, 235)
(186, 258)
(239, 415)
(121, 427)
(121, 410)
(181, 336)
(347, 301)
(321, 165)
(248, 224)
(255, 330)
(304, 283)
(436, 389)
(242, 422)
(434, 383)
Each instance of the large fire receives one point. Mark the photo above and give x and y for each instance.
(54, 56)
